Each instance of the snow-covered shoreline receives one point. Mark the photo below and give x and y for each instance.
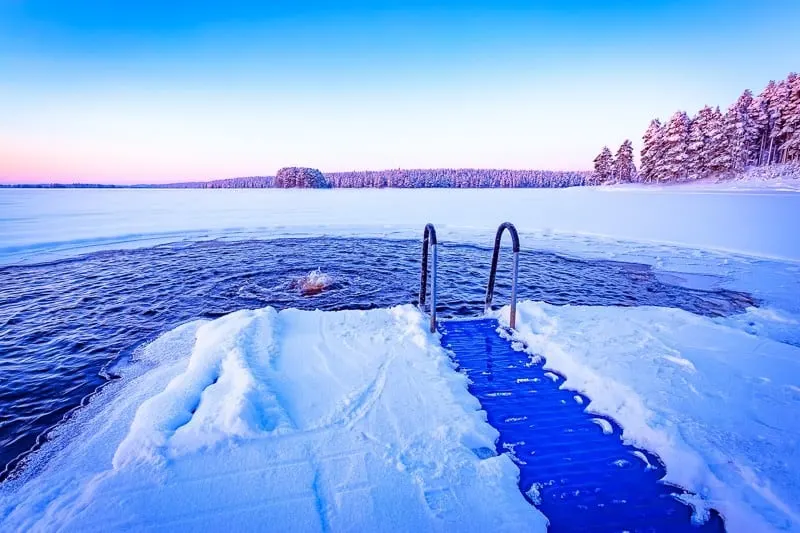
(290, 421)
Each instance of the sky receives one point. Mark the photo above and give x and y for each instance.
(153, 91)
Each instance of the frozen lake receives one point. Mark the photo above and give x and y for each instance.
(757, 223)
(660, 281)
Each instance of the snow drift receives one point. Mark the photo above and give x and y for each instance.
(283, 421)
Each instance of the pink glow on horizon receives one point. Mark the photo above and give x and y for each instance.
(152, 131)
(200, 158)
(151, 92)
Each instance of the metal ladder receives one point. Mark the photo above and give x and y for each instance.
(580, 474)
(429, 242)
(429, 247)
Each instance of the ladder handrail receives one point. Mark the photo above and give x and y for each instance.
(429, 241)
(493, 273)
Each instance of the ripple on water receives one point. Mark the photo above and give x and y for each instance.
(64, 322)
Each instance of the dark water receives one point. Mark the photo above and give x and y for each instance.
(63, 323)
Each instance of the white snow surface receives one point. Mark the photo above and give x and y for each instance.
(716, 402)
(783, 184)
(37, 222)
(278, 421)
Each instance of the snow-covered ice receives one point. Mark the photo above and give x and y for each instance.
(37, 222)
(279, 421)
(782, 177)
(716, 402)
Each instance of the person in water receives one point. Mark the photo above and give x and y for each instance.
(314, 282)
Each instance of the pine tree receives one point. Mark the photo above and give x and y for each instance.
(603, 166)
(718, 151)
(759, 111)
(790, 132)
(652, 151)
(676, 141)
(778, 113)
(742, 132)
(698, 146)
(760, 130)
(624, 168)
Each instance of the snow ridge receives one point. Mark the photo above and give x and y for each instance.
(219, 396)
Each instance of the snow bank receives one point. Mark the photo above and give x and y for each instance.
(290, 421)
(719, 405)
(36, 222)
(772, 178)
(783, 177)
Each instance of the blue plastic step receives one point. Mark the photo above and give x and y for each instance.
(587, 479)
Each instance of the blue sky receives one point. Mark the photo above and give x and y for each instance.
(162, 91)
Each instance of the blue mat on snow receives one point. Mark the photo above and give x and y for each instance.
(587, 479)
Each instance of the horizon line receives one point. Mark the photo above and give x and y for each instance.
(4, 183)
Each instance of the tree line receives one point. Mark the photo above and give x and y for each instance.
(248, 182)
(299, 177)
(457, 178)
(754, 131)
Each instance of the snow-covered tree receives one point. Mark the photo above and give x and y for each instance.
(778, 111)
(718, 151)
(759, 111)
(652, 151)
(699, 145)
(290, 177)
(742, 132)
(790, 131)
(624, 167)
(760, 130)
(603, 166)
(676, 142)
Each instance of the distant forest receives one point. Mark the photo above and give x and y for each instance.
(755, 131)
(293, 177)
(458, 178)
(399, 178)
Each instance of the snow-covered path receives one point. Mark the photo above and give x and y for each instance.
(290, 421)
